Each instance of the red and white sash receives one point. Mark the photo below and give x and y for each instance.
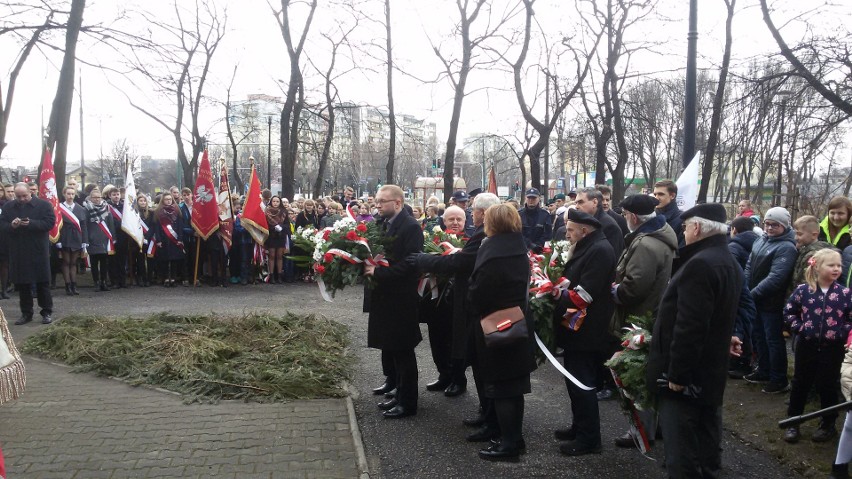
(110, 241)
(115, 213)
(144, 226)
(69, 216)
(152, 249)
(173, 237)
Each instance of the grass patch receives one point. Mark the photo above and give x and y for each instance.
(207, 358)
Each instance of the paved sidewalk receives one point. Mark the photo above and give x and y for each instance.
(71, 425)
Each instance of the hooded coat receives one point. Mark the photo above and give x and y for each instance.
(643, 271)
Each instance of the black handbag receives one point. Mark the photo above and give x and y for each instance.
(504, 327)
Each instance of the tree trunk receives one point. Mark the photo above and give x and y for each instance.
(391, 113)
(718, 103)
(60, 114)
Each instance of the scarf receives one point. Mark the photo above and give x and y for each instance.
(168, 214)
(274, 216)
(96, 213)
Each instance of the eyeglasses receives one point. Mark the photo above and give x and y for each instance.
(381, 202)
(767, 224)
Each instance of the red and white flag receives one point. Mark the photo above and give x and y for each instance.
(253, 218)
(205, 208)
(47, 191)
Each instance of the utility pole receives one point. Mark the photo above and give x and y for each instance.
(689, 107)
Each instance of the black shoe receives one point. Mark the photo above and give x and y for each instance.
(399, 412)
(791, 435)
(626, 441)
(738, 373)
(776, 387)
(474, 421)
(566, 434)
(438, 385)
(484, 434)
(824, 433)
(575, 449)
(74, 289)
(839, 471)
(384, 388)
(46, 319)
(497, 452)
(390, 394)
(104, 287)
(605, 394)
(388, 405)
(756, 378)
(3, 295)
(68, 290)
(522, 445)
(455, 389)
(24, 320)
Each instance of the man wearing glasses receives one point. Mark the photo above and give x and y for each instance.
(27, 222)
(767, 273)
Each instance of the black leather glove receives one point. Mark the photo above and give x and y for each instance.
(413, 260)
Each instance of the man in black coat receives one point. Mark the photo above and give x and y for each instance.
(606, 202)
(27, 222)
(590, 271)
(687, 364)
(393, 326)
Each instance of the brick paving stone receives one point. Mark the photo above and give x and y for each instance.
(70, 425)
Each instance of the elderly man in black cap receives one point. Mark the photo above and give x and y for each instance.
(641, 276)
(687, 364)
(535, 222)
(27, 222)
(582, 317)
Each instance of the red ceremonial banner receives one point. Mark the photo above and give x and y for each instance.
(253, 218)
(492, 181)
(205, 208)
(47, 191)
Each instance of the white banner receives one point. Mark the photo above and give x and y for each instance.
(687, 184)
(131, 223)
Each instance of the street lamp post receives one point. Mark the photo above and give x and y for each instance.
(784, 94)
(269, 150)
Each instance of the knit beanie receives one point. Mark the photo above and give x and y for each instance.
(779, 214)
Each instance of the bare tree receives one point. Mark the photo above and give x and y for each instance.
(60, 113)
(113, 166)
(294, 100)
(178, 67)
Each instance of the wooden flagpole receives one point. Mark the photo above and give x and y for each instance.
(197, 254)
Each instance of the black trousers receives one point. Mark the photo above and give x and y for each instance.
(45, 300)
(388, 367)
(585, 366)
(510, 416)
(405, 366)
(816, 365)
(440, 341)
(118, 265)
(692, 433)
(218, 263)
(99, 267)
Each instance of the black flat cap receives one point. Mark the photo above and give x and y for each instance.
(460, 195)
(639, 204)
(475, 192)
(708, 211)
(577, 216)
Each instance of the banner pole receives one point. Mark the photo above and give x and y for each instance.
(197, 254)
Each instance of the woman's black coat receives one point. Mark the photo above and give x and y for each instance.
(500, 280)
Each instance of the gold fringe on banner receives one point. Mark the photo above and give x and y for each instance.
(13, 376)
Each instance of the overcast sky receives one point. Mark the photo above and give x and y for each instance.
(253, 41)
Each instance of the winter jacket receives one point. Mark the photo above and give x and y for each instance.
(643, 271)
(672, 214)
(805, 253)
(99, 241)
(814, 315)
(612, 232)
(841, 241)
(536, 227)
(741, 245)
(847, 262)
(769, 269)
(692, 330)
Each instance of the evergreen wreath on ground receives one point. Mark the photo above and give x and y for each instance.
(257, 357)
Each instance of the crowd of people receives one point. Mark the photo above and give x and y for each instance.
(725, 291)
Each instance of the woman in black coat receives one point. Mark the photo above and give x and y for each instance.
(168, 231)
(73, 238)
(500, 280)
(591, 271)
